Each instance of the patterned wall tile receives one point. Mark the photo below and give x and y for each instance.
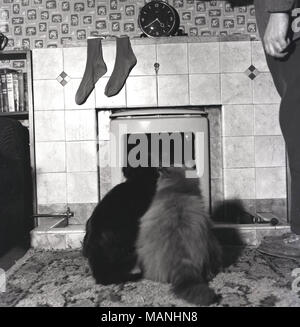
(53, 23)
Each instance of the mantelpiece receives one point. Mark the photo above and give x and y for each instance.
(192, 71)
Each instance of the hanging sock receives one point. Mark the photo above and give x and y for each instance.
(95, 68)
(125, 61)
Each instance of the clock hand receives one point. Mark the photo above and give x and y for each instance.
(160, 23)
(156, 20)
(151, 22)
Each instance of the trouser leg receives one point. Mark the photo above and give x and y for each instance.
(286, 76)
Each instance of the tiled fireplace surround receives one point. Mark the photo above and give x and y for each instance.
(193, 71)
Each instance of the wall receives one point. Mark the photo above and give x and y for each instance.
(53, 23)
(231, 74)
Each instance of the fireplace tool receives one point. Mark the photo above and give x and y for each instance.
(65, 216)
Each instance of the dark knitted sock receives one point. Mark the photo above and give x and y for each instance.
(125, 61)
(95, 68)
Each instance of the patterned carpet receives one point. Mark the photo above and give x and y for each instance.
(62, 278)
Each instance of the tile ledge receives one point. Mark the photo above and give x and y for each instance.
(71, 229)
(251, 227)
(80, 228)
(173, 39)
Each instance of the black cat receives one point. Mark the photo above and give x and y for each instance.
(112, 230)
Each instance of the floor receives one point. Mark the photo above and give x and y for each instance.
(63, 279)
(11, 257)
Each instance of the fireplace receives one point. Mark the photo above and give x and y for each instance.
(212, 75)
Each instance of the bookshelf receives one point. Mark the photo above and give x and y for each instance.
(21, 60)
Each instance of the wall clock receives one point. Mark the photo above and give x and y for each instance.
(158, 18)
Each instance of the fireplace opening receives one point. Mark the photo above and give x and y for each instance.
(162, 137)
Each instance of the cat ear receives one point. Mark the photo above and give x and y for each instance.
(164, 171)
(160, 170)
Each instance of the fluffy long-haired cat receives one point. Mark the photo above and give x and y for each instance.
(111, 231)
(176, 244)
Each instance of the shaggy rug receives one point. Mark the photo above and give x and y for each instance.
(63, 279)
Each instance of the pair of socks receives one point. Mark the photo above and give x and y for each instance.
(96, 68)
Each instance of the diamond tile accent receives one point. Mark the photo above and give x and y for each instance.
(252, 72)
(63, 82)
(252, 76)
(252, 68)
(63, 78)
(59, 79)
(63, 75)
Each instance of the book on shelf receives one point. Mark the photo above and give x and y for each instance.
(25, 88)
(4, 107)
(21, 92)
(13, 90)
(16, 91)
(1, 96)
(10, 92)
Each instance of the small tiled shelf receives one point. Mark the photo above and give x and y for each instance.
(52, 237)
(22, 60)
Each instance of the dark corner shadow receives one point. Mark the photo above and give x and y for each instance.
(16, 187)
(230, 212)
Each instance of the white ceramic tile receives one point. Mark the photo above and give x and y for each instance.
(236, 88)
(146, 57)
(269, 151)
(47, 241)
(239, 183)
(102, 101)
(49, 126)
(105, 175)
(75, 61)
(48, 95)
(82, 187)
(258, 56)
(104, 155)
(238, 120)
(271, 183)
(264, 90)
(70, 90)
(51, 188)
(47, 63)
(50, 157)
(141, 91)
(204, 57)
(173, 90)
(205, 89)
(80, 125)
(104, 189)
(235, 56)
(266, 118)
(172, 58)
(75, 240)
(104, 125)
(216, 160)
(81, 156)
(238, 152)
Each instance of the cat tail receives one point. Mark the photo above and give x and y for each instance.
(189, 285)
(85, 248)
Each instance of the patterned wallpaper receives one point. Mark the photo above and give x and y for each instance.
(53, 23)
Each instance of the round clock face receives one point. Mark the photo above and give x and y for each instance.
(158, 18)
